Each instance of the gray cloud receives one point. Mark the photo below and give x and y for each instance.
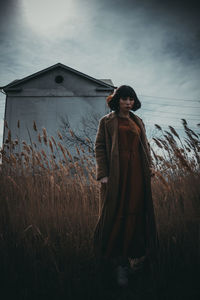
(151, 45)
(178, 21)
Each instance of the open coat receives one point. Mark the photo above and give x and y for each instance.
(107, 164)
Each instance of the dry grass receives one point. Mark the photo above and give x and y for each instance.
(49, 208)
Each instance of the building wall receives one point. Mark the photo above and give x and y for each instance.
(46, 102)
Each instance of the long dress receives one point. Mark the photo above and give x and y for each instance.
(127, 238)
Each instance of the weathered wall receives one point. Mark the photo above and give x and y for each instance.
(44, 101)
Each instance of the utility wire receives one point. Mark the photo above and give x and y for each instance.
(177, 99)
(170, 118)
(166, 126)
(167, 117)
(158, 97)
(169, 104)
(155, 110)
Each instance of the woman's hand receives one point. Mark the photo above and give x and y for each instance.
(104, 180)
(152, 172)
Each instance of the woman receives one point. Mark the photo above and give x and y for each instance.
(126, 227)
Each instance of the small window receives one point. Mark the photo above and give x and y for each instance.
(59, 79)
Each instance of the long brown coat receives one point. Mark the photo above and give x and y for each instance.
(107, 164)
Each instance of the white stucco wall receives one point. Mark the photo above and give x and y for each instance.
(44, 101)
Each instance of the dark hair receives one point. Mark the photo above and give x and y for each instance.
(123, 92)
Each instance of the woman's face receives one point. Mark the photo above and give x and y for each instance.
(125, 104)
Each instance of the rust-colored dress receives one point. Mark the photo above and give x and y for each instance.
(127, 238)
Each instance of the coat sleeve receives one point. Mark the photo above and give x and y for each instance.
(149, 148)
(100, 151)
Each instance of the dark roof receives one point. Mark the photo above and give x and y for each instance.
(109, 81)
(104, 82)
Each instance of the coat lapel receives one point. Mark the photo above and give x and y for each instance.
(112, 122)
(112, 127)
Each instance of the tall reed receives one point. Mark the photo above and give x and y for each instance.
(50, 206)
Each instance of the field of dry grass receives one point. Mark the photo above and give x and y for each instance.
(49, 209)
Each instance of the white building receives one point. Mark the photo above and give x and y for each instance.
(48, 96)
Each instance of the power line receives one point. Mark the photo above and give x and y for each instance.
(171, 112)
(173, 117)
(177, 99)
(167, 117)
(158, 97)
(161, 97)
(164, 124)
(167, 125)
(161, 104)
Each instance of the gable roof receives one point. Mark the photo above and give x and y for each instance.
(109, 81)
(105, 83)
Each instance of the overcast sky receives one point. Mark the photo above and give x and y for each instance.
(151, 45)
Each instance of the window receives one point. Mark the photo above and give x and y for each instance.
(59, 79)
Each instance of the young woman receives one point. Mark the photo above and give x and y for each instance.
(126, 227)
